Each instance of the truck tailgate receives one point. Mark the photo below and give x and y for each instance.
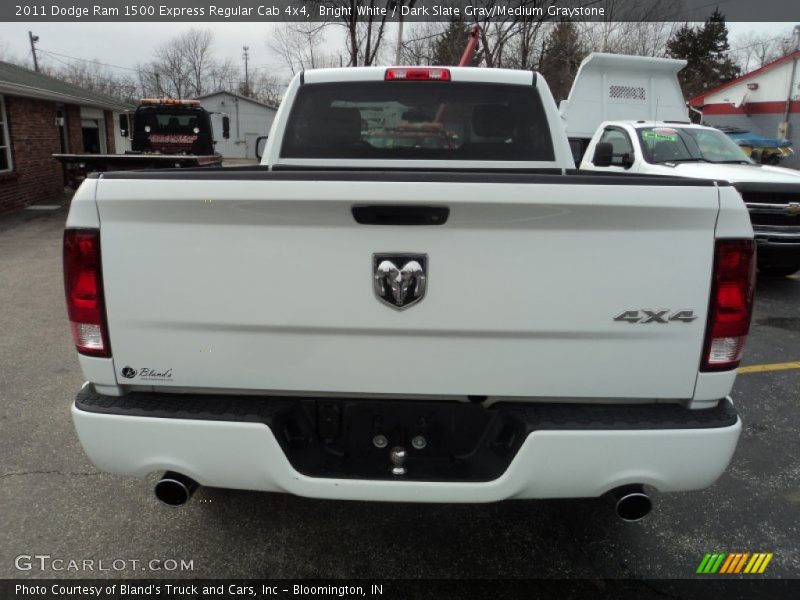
(268, 285)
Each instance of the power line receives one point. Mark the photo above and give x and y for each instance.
(759, 43)
(143, 70)
(87, 60)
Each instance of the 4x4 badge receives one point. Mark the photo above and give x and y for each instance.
(399, 280)
(656, 315)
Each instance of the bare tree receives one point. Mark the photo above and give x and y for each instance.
(149, 80)
(196, 48)
(96, 76)
(364, 24)
(173, 68)
(641, 28)
(648, 38)
(223, 75)
(524, 47)
(267, 88)
(419, 42)
(753, 50)
(185, 65)
(514, 43)
(369, 40)
(499, 36)
(300, 46)
(639, 38)
(182, 67)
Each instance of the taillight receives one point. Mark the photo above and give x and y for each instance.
(417, 74)
(83, 285)
(731, 306)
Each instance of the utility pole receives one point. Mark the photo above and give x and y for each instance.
(246, 57)
(33, 39)
(399, 49)
(159, 93)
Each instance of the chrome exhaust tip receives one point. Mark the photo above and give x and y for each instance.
(174, 489)
(631, 502)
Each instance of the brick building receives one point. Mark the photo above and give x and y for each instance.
(41, 116)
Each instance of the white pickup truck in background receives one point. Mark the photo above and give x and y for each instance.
(414, 298)
(626, 114)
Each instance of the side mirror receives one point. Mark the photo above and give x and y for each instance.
(123, 125)
(627, 161)
(260, 143)
(603, 154)
(226, 127)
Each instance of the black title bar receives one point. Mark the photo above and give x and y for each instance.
(481, 11)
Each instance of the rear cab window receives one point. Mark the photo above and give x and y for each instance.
(418, 121)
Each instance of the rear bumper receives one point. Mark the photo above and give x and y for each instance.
(783, 238)
(778, 250)
(556, 458)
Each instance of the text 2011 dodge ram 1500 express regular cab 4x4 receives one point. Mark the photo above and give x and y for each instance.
(377, 315)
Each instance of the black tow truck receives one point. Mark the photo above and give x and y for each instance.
(164, 132)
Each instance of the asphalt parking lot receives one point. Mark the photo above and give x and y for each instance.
(53, 501)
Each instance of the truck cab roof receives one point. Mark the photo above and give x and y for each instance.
(421, 74)
(643, 123)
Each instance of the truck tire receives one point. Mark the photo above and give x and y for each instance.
(769, 271)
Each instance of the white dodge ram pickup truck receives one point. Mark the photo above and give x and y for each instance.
(413, 298)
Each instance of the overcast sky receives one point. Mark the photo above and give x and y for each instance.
(125, 44)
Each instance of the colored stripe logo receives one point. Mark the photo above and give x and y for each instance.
(735, 562)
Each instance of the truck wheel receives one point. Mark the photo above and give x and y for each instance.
(768, 271)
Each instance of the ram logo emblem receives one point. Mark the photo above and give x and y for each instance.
(399, 280)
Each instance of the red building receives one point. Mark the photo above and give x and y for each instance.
(765, 101)
(41, 116)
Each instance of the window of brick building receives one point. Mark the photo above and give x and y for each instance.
(5, 143)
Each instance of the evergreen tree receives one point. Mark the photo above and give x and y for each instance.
(447, 49)
(705, 50)
(562, 54)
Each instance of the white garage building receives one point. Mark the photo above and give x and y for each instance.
(249, 118)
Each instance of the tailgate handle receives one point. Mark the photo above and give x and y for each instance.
(393, 214)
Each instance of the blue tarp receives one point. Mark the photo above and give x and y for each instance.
(748, 138)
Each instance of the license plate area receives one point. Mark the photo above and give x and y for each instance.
(442, 441)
